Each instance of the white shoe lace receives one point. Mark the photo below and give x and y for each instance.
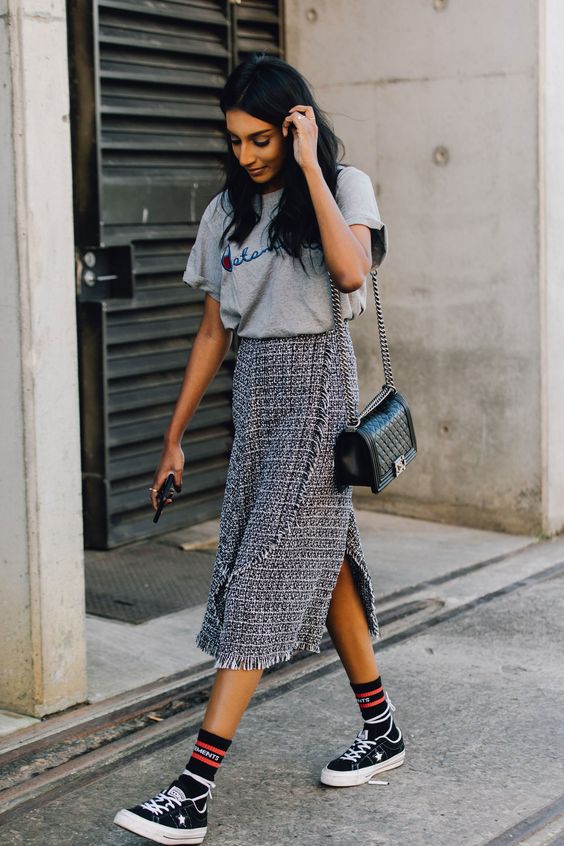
(358, 748)
(387, 715)
(162, 802)
(168, 799)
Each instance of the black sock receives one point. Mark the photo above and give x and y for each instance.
(371, 698)
(375, 709)
(207, 757)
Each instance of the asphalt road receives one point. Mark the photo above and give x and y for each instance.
(478, 684)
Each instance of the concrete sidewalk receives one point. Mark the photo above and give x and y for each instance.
(478, 688)
(399, 551)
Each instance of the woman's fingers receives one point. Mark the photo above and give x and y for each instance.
(299, 112)
(307, 109)
(300, 119)
(154, 489)
(172, 461)
(293, 116)
(293, 120)
(158, 482)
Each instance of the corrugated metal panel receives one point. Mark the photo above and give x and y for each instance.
(148, 144)
(161, 66)
(257, 26)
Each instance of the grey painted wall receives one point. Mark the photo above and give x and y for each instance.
(439, 102)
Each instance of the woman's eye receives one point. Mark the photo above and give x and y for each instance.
(258, 143)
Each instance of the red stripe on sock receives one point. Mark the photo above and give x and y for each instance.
(211, 748)
(369, 693)
(370, 704)
(206, 760)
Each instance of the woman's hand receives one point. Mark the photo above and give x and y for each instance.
(304, 127)
(172, 461)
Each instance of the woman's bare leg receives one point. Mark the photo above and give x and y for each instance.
(231, 693)
(348, 627)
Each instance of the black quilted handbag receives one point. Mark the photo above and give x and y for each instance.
(377, 445)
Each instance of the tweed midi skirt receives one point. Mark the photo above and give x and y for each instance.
(285, 526)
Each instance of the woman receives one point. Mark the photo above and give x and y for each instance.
(289, 559)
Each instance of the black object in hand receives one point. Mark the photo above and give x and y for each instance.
(163, 495)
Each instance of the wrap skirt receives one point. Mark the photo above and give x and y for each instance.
(285, 526)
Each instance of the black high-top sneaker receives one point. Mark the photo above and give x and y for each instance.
(170, 817)
(370, 753)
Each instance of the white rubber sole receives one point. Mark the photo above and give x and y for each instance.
(158, 833)
(334, 778)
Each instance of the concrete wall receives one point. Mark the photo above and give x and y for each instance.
(551, 182)
(42, 596)
(440, 103)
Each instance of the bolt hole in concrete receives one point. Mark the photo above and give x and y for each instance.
(440, 156)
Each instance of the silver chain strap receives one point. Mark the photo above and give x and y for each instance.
(354, 418)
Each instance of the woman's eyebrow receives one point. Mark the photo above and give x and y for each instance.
(252, 134)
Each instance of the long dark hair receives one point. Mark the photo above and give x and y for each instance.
(267, 87)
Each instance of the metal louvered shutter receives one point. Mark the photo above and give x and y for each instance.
(148, 146)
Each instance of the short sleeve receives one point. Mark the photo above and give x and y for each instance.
(357, 202)
(203, 268)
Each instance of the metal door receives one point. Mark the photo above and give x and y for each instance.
(148, 146)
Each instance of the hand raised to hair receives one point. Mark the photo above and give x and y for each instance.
(305, 130)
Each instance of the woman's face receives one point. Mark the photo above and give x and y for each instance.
(259, 147)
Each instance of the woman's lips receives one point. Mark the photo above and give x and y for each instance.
(257, 170)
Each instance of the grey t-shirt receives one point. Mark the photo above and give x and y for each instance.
(263, 294)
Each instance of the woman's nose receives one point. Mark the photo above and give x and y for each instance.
(246, 157)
